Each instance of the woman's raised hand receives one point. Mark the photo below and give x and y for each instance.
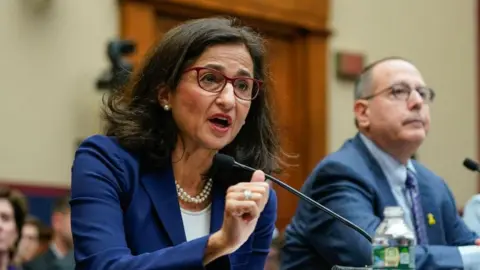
(244, 203)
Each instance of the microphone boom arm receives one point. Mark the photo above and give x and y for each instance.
(313, 202)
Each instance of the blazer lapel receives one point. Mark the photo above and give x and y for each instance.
(386, 192)
(218, 208)
(161, 189)
(376, 170)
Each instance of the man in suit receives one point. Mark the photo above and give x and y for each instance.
(471, 213)
(374, 170)
(59, 255)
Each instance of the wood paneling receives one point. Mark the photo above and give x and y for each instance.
(296, 41)
(311, 15)
(315, 48)
(287, 99)
(138, 23)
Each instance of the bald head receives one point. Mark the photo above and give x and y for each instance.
(365, 83)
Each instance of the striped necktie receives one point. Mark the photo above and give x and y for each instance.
(418, 215)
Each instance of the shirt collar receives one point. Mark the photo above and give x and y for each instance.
(388, 164)
(55, 251)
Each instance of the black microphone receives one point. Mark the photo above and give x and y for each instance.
(227, 163)
(471, 165)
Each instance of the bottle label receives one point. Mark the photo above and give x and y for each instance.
(388, 257)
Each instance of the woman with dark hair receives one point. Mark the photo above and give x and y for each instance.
(13, 211)
(144, 196)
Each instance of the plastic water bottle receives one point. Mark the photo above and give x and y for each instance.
(394, 242)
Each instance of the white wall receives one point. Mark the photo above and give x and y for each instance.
(439, 36)
(50, 58)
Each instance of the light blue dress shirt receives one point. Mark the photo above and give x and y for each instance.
(471, 214)
(396, 174)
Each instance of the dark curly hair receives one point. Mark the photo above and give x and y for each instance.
(135, 118)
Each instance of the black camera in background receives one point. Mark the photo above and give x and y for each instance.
(120, 68)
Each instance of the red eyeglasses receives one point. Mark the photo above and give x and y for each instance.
(214, 81)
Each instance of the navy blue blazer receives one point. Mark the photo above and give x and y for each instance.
(351, 183)
(123, 218)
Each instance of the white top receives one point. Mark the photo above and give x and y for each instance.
(196, 224)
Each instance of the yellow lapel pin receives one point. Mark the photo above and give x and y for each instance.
(431, 219)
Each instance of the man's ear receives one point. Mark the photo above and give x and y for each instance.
(163, 96)
(360, 108)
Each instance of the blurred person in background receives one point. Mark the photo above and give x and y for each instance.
(471, 214)
(144, 196)
(273, 259)
(45, 239)
(59, 254)
(13, 211)
(30, 245)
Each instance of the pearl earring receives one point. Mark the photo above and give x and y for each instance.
(166, 107)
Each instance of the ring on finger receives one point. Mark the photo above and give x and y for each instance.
(247, 194)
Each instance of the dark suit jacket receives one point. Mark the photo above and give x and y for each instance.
(124, 218)
(42, 261)
(351, 183)
(48, 261)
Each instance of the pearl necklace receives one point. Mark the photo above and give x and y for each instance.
(200, 198)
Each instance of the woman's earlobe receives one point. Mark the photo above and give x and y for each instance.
(163, 95)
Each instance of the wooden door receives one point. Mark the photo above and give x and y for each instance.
(286, 96)
(289, 57)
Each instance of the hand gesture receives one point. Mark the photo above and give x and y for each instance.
(244, 203)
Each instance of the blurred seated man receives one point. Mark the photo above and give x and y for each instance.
(33, 234)
(471, 214)
(59, 254)
(374, 170)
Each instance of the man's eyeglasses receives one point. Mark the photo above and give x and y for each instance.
(403, 91)
(214, 81)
